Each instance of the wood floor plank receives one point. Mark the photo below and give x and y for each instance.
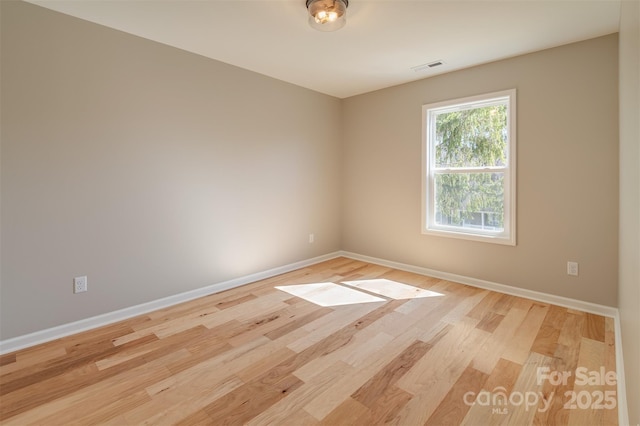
(490, 321)
(211, 371)
(503, 304)
(349, 383)
(169, 406)
(320, 329)
(436, 372)
(249, 400)
(444, 358)
(257, 355)
(166, 328)
(297, 323)
(355, 353)
(492, 350)
(417, 307)
(375, 387)
(583, 411)
(233, 301)
(47, 353)
(95, 416)
(271, 360)
(464, 307)
(386, 407)
(420, 281)
(369, 270)
(263, 323)
(69, 405)
(346, 413)
(279, 412)
(522, 411)
(7, 359)
(327, 401)
(549, 332)
(484, 306)
(61, 367)
(83, 343)
(451, 411)
(359, 348)
(499, 383)
(565, 360)
(197, 418)
(593, 327)
(432, 310)
(519, 347)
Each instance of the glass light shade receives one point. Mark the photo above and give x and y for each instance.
(327, 15)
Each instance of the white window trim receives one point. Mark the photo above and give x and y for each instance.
(508, 237)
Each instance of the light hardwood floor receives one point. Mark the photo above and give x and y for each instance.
(260, 355)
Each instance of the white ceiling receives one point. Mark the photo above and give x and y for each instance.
(377, 48)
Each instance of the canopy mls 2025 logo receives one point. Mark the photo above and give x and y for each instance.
(590, 394)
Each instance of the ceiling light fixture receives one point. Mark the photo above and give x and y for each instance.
(327, 15)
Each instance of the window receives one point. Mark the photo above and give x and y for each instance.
(469, 150)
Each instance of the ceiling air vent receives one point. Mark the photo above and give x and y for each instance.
(424, 67)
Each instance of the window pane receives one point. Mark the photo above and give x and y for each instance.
(470, 200)
(472, 137)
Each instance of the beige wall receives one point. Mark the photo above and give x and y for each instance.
(155, 171)
(629, 290)
(151, 170)
(567, 170)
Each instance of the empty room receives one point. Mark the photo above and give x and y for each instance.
(306, 212)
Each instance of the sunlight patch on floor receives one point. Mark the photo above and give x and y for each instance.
(329, 294)
(392, 289)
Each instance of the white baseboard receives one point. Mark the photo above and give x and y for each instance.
(623, 411)
(565, 302)
(32, 339)
(608, 311)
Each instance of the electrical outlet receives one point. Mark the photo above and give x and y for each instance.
(572, 268)
(80, 284)
(312, 238)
